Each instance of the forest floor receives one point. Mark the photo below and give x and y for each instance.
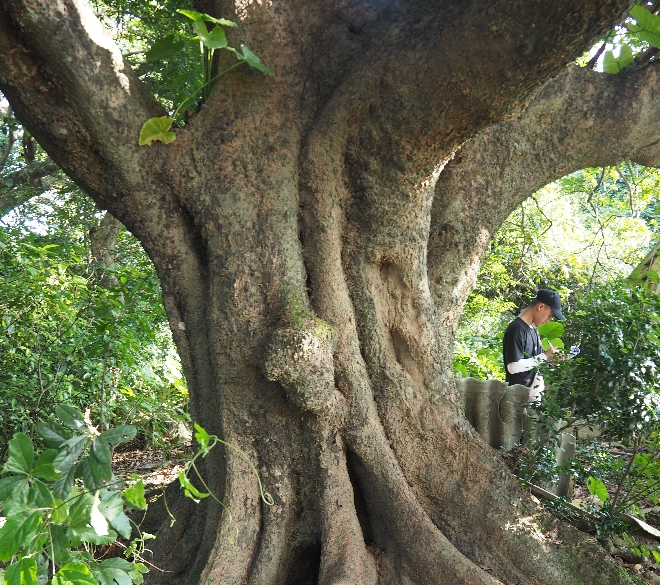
(159, 467)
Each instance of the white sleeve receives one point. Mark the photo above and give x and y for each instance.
(525, 364)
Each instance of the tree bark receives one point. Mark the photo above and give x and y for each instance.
(580, 119)
(289, 225)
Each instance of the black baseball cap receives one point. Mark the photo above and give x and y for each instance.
(552, 299)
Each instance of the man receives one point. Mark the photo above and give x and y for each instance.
(522, 347)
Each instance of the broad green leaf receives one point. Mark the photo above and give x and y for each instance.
(23, 572)
(43, 466)
(74, 573)
(613, 64)
(101, 451)
(16, 532)
(100, 470)
(43, 495)
(135, 496)
(656, 556)
(253, 60)
(91, 481)
(60, 544)
(69, 452)
(156, 129)
(62, 486)
(597, 488)
(120, 434)
(109, 574)
(201, 436)
(557, 343)
(117, 563)
(122, 524)
(213, 39)
(111, 504)
(552, 329)
(164, 48)
(647, 27)
(89, 535)
(53, 433)
(10, 485)
(70, 416)
(21, 455)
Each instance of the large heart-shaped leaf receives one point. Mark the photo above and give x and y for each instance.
(253, 60)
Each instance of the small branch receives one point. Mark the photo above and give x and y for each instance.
(594, 60)
(626, 473)
(11, 138)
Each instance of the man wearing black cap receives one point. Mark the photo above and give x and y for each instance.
(522, 347)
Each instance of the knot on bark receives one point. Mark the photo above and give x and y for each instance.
(302, 362)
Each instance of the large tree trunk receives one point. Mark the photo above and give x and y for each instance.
(289, 224)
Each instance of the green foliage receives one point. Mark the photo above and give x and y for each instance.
(156, 129)
(65, 338)
(614, 382)
(646, 26)
(51, 520)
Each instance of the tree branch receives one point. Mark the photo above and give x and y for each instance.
(579, 119)
(86, 110)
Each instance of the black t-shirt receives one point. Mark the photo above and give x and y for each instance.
(520, 341)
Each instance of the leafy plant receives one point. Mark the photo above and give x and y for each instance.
(206, 443)
(60, 503)
(158, 129)
(614, 382)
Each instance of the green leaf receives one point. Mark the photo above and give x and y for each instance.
(111, 504)
(253, 60)
(101, 451)
(44, 466)
(656, 555)
(53, 433)
(597, 488)
(44, 496)
(69, 452)
(190, 491)
(91, 481)
(647, 27)
(613, 64)
(21, 455)
(110, 573)
(135, 496)
(156, 129)
(552, 329)
(122, 524)
(164, 48)
(24, 572)
(120, 434)
(70, 416)
(74, 573)
(60, 544)
(9, 486)
(201, 436)
(62, 486)
(16, 532)
(213, 39)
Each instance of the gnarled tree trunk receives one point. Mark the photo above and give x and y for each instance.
(289, 224)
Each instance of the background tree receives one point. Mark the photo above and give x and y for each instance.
(289, 225)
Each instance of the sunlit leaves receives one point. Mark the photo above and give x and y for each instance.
(647, 27)
(613, 63)
(597, 488)
(253, 60)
